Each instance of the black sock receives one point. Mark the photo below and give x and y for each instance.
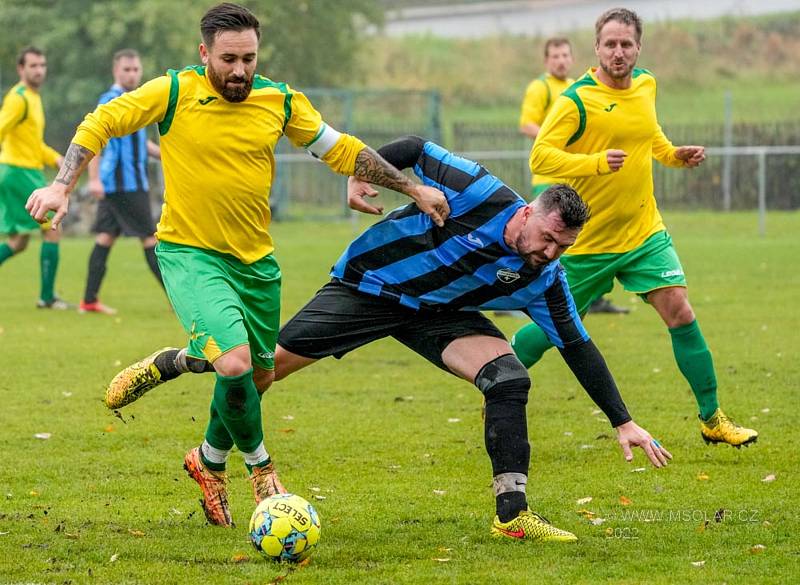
(198, 366)
(152, 262)
(97, 270)
(165, 362)
(510, 504)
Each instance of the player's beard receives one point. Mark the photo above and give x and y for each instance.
(230, 93)
(620, 73)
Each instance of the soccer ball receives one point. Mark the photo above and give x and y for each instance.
(285, 527)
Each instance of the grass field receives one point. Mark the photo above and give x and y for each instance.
(390, 449)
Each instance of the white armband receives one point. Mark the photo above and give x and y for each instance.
(322, 143)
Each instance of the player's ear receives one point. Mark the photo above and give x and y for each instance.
(203, 53)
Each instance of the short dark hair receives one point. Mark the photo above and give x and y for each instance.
(29, 50)
(555, 42)
(564, 199)
(126, 54)
(227, 16)
(622, 15)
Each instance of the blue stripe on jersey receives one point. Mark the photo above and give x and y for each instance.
(436, 152)
(484, 275)
(540, 313)
(445, 255)
(123, 164)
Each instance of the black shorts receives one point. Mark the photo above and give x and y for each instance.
(127, 214)
(340, 319)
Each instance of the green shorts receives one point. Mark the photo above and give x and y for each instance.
(652, 265)
(222, 302)
(16, 185)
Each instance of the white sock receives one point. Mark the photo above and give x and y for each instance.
(214, 455)
(259, 456)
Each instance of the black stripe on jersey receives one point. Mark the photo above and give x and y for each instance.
(447, 175)
(567, 329)
(392, 252)
(489, 292)
(137, 177)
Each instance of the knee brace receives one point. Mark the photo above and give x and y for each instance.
(504, 378)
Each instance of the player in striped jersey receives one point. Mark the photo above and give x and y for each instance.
(423, 284)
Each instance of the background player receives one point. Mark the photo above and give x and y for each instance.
(603, 134)
(23, 155)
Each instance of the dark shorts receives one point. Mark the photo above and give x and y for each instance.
(126, 214)
(339, 319)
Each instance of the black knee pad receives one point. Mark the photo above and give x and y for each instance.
(504, 378)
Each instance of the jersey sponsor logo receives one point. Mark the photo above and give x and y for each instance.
(668, 273)
(474, 240)
(610, 107)
(207, 100)
(507, 275)
(266, 355)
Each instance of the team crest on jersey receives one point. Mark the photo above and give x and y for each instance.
(507, 276)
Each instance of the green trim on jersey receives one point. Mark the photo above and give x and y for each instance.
(261, 82)
(174, 86)
(21, 93)
(637, 71)
(543, 79)
(572, 93)
(199, 69)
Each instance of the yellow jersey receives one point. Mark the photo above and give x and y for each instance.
(539, 97)
(588, 119)
(22, 130)
(218, 156)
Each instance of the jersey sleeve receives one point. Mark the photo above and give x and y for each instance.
(534, 103)
(125, 115)
(50, 155)
(306, 129)
(664, 151)
(555, 313)
(457, 177)
(12, 113)
(549, 156)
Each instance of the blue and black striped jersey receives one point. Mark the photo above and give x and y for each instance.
(464, 265)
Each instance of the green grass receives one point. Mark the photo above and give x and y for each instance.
(372, 433)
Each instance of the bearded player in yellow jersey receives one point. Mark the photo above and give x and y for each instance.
(219, 124)
(23, 155)
(602, 135)
(540, 95)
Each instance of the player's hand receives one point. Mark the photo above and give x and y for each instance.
(357, 190)
(50, 198)
(615, 158)
(691, 156)
(96, 189)
(432, 203)
(631, 435)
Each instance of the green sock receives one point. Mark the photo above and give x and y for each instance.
(218, 437)
(530, 343)
(237, 402)
(48, 261)
(695, 363)
(6, 252)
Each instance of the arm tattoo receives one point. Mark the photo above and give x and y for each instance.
(372, 168)
(75, 161)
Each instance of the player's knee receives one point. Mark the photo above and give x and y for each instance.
(105, 240)
(504, 378)
(233, 364)
(19, 243)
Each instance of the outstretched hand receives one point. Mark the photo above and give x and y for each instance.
(631, 435)
(50, 198)
(691, 156)
(357, 191)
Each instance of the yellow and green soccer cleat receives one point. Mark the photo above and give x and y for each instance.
(721, 429)
(134, 381)
(530, 526)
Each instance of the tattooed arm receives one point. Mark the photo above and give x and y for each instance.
(55, 197)
(370, 167)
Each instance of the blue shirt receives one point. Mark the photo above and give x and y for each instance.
(123, 166)
(464, 265)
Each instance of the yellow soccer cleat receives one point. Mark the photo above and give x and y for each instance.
(134, 381)
(530, 526)
(721, 429)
